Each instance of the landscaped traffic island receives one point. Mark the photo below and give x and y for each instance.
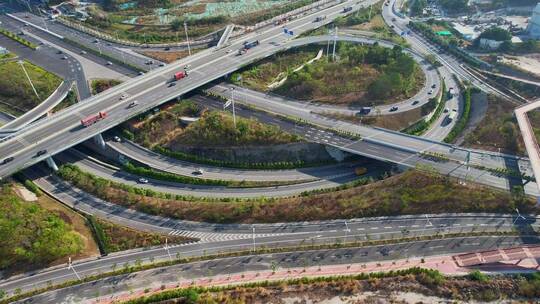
(360, 75)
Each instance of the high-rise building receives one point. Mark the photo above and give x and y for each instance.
(534, 23)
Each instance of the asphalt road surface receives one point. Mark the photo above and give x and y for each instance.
(260, 263)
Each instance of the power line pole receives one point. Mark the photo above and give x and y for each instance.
(28, 77)
(187, 39)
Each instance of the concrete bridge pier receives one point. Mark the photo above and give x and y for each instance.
(51, 163)
(98, 139)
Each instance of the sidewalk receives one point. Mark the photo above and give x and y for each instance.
(444, 264)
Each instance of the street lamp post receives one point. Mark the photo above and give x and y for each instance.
(519, 216)
(28, 77)
(233, 109)
(347, 230)
(167, 248)
(253, 236)
(70, 266)
(187, 39)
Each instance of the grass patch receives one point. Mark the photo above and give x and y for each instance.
(497, 130)
(363, 75)
(33, 237)
(412, 192)
(216, 128)
(16, 94)
(99, 85)
(18, 38)
(70, 100)
(119, 238)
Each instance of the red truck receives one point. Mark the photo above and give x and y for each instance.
(180, 75)
(92, 119)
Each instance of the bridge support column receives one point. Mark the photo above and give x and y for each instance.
(98, 139)
(336, 153)
(51, 163)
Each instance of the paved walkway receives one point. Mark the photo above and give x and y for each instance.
(444, 264)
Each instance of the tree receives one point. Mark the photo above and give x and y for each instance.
(455, 6)
(496, 33)
(176, 24)
(418, 7)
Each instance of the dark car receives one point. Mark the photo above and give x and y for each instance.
(7, 160)
(433, 86)
(172, 84)
(393, 109)
(41, 152)
(415, 102)
(167, 49)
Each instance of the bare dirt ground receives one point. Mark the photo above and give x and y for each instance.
(529, 63)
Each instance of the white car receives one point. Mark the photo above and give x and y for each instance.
(199, 171)
(143, 180)
(123, 96)
(117, 139)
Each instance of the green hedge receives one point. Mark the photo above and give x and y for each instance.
(99, 234)
(462, 122)
(30, 185)
(228, 164)
(18, 38)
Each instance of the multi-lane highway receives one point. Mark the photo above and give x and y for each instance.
(251, 265)
(294, 234)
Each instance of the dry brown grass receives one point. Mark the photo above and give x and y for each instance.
(498, 129)
(166, 56)
(412, 192)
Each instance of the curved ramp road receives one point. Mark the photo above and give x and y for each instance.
(122, 177)
(167, 164)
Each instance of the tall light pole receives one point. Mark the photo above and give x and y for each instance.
(519, 216)
(187, 39)
(167, 248)
(253, 236)
(28, 77)
(233, 110)
(70, 266)
(335, 38)
(347, 230)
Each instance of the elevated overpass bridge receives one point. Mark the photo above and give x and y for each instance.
(64, 130)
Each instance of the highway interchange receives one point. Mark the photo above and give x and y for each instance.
(63, 130)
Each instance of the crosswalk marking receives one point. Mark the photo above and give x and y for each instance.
(208, 237)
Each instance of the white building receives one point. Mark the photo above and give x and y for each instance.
(534, 23)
